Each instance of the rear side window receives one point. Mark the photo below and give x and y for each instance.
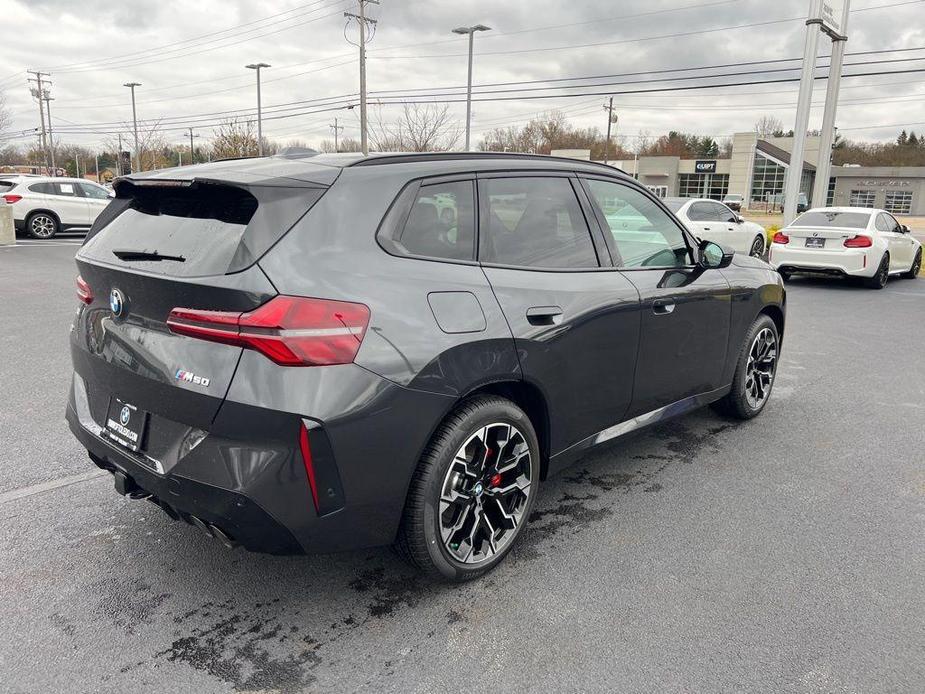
(43, 188)
(534, 222)
(441, 223)
(214, 228)
(701, 212)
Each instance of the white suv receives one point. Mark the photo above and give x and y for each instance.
(43, 206)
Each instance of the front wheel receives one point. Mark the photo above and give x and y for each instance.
(755, 371)
(879, 280)
(757, 249)
(916, 267)
(473, 490)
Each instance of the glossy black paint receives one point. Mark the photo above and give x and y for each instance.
(590, 354)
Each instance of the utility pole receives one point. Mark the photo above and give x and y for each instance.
(336, 128)
(51, 138)
(119, 157)
(96, 158)
(192, 157)
(471, 32)
(77, 162)
(794, 174)
(257, 67)
(827, 134)
(39, 93)
(610, 119)
(132, 85)
(363, 22)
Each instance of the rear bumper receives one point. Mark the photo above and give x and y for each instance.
(848, 262)
(247, 478)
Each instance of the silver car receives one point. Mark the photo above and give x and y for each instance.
(43, 206)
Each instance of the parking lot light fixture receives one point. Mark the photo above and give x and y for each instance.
(471, 32)
(257, 67)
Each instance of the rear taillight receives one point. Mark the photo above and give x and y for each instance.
(290, 330)
(780, 237)
(10, 198)
(84, 293)
(859, 242)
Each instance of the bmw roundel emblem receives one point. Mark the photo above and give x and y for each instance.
(116, 302)
(125, 415)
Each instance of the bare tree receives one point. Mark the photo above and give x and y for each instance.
(235, 138)
(768, 126)
(419, 128)
(4, 114)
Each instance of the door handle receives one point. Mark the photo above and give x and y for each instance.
(544, 315)
(706, 228)
(662, 307)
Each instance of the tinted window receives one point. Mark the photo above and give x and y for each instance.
(702, 212)
(67, 189)
(832, 218)
(723, 213)
(92, 191)
(882, 223)
(644, 234)
(441, 223)
(43, 188)
(535, 222)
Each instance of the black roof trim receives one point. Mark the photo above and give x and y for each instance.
(376, 160)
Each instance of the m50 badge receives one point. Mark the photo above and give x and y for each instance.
(190, 377)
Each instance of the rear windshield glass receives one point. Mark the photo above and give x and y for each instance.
(6, 185)
(205, 229)
(832, 218)
(734, 198)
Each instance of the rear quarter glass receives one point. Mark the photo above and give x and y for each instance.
(216, 228)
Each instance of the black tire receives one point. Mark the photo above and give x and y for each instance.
(42, 225)
(916, 267)
(784, 275)
(420, 539)
(739, 402)
(882, 276)
(758, 247)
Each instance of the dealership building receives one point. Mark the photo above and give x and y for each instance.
(756, 171)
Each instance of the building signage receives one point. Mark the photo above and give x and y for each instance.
(891, 182)
(705, 166)
(831, 14)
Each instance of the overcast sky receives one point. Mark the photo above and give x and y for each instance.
(92, 47)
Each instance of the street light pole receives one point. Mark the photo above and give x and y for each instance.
(257, 66)
(132, 85)
(471, 32)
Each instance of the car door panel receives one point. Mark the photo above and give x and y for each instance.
(575, 329)
(684, 309)
(97, 199)
(70, 205)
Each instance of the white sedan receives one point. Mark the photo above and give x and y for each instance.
(847, 241)
(710, 220)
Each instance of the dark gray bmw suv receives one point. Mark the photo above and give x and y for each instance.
(316, 353)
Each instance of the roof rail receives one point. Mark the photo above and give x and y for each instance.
(400, 158)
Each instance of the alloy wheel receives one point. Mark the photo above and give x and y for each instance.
(757, 248)
(760, 368)
(485, 493)
(43, 226)
(916, 265)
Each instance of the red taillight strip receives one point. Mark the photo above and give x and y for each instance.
(859, 241)
(84, 293)
(10, 198)
(780, 237)
(306, 449)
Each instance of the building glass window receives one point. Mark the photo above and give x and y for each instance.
(830, 193)
(767, 179)
(713, 186)
(862, 198)
(898, 201)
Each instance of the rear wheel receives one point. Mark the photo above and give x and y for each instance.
(879, 280)
(755, 371)
(757, 249)
(473, 490)
(916, 267)
(41, 225)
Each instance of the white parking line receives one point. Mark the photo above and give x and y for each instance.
(41, 244)
(42, 487)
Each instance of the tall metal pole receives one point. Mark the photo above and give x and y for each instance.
(51, 137)
(39, 93)
(119, 157)
(827, 135)
(257, 67)
(96, 158)
(362, 22)
(336, 128)
(471, 32)
(795, 171)
(132, 85)
(192, 159)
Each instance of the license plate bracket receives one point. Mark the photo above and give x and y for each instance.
(125, 424)
(815, 242)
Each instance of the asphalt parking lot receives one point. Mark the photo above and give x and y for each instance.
(782, 554)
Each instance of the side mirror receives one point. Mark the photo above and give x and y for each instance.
(713, 256)
(904, 228)
(740, 219)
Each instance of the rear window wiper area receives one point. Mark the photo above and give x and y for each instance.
(130, 255)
